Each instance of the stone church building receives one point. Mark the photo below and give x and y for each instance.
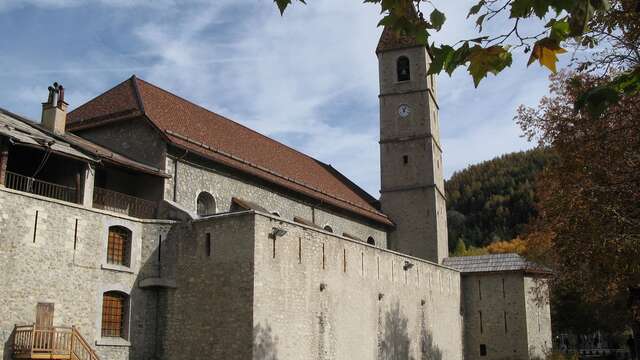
(143, 226)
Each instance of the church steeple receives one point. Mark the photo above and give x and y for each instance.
(412, 192)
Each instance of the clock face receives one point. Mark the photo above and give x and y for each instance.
(404, 110)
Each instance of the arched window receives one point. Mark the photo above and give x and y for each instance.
(371, 241)
(119, 246)
(328, 228)
(275, 213)
(403, 68)
(114, 314)
(206, 204)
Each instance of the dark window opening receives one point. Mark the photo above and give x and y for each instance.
(483, 350)
(505, 322)
(405, 159)
(206, 204)
(328, 228)
(208, 244)
(119, 246)
(114, 314)
(371, 241)
(403, 69)
(481, 325)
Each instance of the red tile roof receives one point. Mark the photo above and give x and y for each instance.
(208, 134)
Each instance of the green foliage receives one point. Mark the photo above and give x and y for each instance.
(494, 200)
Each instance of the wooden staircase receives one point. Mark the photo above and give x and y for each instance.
(30, 342)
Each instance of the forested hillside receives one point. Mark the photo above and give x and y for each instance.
(493, 200)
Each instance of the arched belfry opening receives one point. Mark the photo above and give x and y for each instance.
(403, 68)
(206, 204)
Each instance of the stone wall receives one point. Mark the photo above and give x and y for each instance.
(500, 297)
(320, 296)
(58, 262)
(135, 138)
(208, 315)
(193, 179)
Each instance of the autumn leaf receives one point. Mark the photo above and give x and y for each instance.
(487, 60)
(546, 52)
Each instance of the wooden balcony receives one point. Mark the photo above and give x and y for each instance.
(39, 187)
(130, 205)
(62, 343)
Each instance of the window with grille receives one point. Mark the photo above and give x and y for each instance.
(119, 246)
(113, 314)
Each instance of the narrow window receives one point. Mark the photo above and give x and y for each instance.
(403, 69)
(505, 322)
(75, 235)
(405, 159)
(299, 250)
(114, 314)
(483, 350)
(119, 246)
(371, 240)
(344, 260)
(480, 289)
(206, 204)
(35, 227)
(207, 245)
(273, 247)
(328, 228)
(159, 248)
(481, 325)
(323, 258)
(504, 293)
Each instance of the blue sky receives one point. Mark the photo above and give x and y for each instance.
(308, 79)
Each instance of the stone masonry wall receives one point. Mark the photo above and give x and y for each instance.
(209, 314)
(495, 295)
(319, 296)
(193, 179)
(67, 266)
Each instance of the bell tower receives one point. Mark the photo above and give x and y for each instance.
(412, 181)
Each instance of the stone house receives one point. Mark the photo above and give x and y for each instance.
(143, 226)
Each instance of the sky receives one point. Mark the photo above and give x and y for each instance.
(308, 79)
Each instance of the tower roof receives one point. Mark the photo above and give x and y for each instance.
(393, 40)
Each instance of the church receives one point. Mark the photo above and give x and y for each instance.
(143, 226)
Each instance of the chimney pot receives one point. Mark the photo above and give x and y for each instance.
(54, 111)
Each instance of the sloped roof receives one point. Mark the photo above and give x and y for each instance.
(494, 263)
(208, 134)
(27, 132)
(393, 40)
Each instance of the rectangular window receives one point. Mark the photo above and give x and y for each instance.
(113, 314)
(483, 350)
(505, 323)
(118, 246)
(481, 325)
(480, 289)
(504, 293)
(405, 159)
(208, 245)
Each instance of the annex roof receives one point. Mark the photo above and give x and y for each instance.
(26, 132)
(494, 263)
(189, 126)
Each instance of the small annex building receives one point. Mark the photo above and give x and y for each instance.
(142, 226)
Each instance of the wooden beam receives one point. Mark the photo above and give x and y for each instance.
(4, 159)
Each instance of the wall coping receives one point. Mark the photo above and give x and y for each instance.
(82, 207)
(322, 231)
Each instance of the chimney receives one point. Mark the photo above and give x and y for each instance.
(54, 111)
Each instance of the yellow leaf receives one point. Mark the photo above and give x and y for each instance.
(546, 51)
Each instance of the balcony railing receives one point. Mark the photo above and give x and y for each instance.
(39, 187)
(122, 203)
(30, 342)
